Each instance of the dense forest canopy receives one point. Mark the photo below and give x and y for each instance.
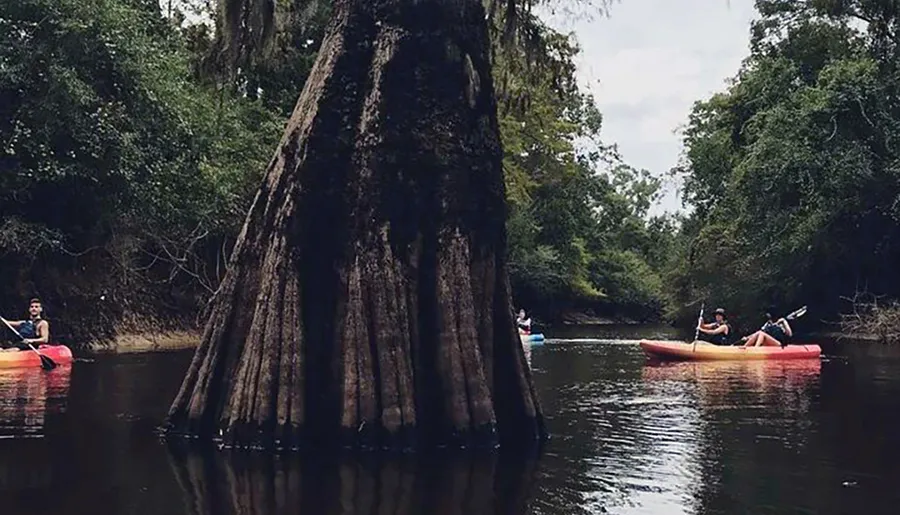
(793, 170)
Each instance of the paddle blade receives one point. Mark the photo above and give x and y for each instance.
(796, 314)
(47, 363)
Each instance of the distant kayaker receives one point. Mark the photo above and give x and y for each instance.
(523, 323)
(715, 332)
(35, 330)
(774, 333)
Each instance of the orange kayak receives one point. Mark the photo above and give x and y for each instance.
(60, 354)
(707, 352)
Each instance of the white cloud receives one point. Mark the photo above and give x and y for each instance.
(649, 61)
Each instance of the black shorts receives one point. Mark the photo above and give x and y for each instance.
(775, 332)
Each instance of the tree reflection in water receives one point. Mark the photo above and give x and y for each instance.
(450, 483)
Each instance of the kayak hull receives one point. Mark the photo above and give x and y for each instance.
(60, 354)
(533, 339)
(681, 351)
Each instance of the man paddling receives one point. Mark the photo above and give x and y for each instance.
(35, 330)
(715, 332)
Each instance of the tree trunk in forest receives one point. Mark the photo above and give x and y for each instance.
(367, 299)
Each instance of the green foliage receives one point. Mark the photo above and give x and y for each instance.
(794, 171)
(579, 236)
(100, 124)
(120, 172)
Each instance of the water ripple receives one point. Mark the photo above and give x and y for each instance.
(27, 396)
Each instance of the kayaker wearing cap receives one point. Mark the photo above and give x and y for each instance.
(715, 332)
(35, 330)
(774, 333)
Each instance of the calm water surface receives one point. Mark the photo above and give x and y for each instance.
(629, 437)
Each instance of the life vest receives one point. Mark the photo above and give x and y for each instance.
(721, 338)
(28, 328)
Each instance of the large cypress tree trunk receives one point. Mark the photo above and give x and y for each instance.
(367, 298)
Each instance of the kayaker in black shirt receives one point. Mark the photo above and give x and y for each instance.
(35, 330)
(774, 333)
(716, 332)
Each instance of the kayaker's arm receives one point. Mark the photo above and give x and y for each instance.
(786, 327)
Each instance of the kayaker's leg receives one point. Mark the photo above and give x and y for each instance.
(751, 340)
(765, 340)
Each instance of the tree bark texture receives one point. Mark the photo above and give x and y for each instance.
(367, 299)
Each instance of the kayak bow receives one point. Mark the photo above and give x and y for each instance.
(60, 354)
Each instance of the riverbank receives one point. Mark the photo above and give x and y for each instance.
(146, 342)
(587, 318)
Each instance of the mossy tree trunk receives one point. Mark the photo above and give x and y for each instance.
(367, 298)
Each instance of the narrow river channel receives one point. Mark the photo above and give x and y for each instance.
(629, 437)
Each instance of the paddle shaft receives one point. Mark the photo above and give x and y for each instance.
(700, 321)
(45, 361)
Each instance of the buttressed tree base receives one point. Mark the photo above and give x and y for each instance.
(367, 301)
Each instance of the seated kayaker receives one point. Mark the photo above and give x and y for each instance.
(716, 332)
(523, 323)
(774, 333)
(35, 330)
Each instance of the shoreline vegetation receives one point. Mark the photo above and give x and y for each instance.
(150, 152)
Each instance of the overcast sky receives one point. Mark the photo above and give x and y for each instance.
(648, 61)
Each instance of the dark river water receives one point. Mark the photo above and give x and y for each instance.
(629, 437)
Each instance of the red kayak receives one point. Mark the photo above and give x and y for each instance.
(60, 354)
(703, 351)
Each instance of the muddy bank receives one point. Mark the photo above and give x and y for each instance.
(588, 318)
(146, 342)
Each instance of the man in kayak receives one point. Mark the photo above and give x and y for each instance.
(35, 330)
(774, 333)
(716, 332)
(523, 323)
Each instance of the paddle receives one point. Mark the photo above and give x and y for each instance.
(796, 314)
(700, 321)
(46, 363)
